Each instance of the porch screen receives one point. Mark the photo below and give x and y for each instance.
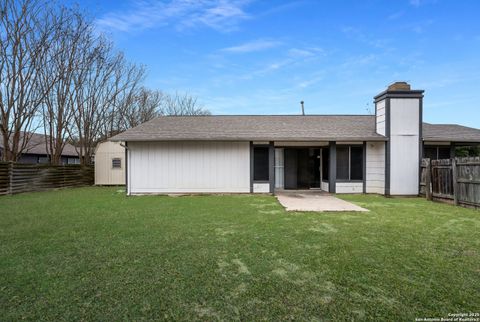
(260, 164)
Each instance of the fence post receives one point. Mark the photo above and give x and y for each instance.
(454, 179)
(10, 177)
(428, 180)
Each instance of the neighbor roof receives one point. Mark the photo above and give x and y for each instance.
(255, 128)
(450, 132)
(280, 128)
(36, 145)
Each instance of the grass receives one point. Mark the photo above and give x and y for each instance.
(94, 254)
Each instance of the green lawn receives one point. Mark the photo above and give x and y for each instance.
(94, 254)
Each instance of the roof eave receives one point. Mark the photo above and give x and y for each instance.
(456, 140)
(248, 139)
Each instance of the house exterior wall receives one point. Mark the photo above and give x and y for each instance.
(188, 167)
(375, 167)
(324, 185)
(29, 158)
(261, 188)
(349, 187)
(380, 117)
(105, 174)
(404, 145)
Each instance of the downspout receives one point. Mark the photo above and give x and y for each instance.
(127, 188)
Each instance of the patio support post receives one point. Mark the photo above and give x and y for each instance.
(332, 167)
(452, 150)
(271, 165)
(364, 170)
(251, 167)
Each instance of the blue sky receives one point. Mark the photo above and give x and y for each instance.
(264, 57)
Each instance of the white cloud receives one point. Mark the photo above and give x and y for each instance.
(396, 15)
(358, 35)
(418, 3)
(253, 46)
(305, 52)
(415, 3)
(221, 15)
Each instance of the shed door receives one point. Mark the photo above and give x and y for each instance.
(291, 162)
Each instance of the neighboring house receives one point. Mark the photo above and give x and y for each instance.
(36, 151)
(109, 163)
(378, 153)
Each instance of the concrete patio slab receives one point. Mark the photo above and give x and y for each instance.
(312, 200)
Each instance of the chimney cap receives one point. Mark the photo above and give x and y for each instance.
(399, 90)
(399, 86)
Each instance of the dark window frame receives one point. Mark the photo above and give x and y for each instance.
(264, 178)
(362, 153)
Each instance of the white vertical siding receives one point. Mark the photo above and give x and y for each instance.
(182, 167)
(324, 185)
(405, 146)
(381, 120)
(349, 187)
(104, 173)
(404, 165)
(375, 176)
(261, 188)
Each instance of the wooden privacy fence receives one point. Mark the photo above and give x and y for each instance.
(452, 179)
(18, 177)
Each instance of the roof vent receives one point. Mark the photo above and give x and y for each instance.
(399, 86)
(303, 108)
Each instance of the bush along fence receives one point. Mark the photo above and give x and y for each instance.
(18, 177)
(456, 180)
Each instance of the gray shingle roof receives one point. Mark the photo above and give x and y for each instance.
(36, 145)
(450, 132)
(255, 128)
(280, 128)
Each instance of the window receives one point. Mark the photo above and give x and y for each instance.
(43, 160)
(73, 161)
(436, 152)
(430, 153)
(444, 152)
(116, 163)
(343, 160)
(350, 163)
(260, 164)
(356, 163)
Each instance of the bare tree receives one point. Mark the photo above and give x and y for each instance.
(126, 82)
(59, 105)
(146, 104)
(103, 81)
(24, 44)
(92, 92)
(56, 71)
(141, 107)
(185, 104)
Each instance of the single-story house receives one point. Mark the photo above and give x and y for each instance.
(36, 151)
(109, 163)
(378, 153)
